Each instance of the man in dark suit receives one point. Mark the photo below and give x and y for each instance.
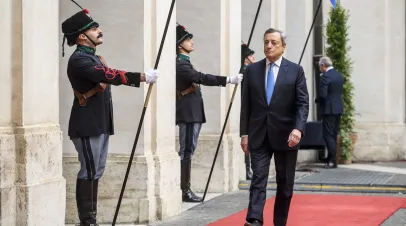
(189, 105)
(274, 111)
(331, 103)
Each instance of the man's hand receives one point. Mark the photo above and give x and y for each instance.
(235, 79)
(244, 144)
(151, 76)
(294, 138)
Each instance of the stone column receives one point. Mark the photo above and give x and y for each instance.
(230, 65)
(32, 185)
(379, 78)
(159, 132)
(7, 138)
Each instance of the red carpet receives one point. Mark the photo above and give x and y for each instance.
(331, 210)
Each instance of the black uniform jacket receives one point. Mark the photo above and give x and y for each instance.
(189, 108)
(85, 71)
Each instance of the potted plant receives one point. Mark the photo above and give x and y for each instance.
(338, 50)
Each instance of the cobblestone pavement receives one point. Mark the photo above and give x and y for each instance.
(313, 177)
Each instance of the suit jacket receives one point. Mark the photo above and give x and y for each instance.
(190, 108)
(331, 93)
(288, 108)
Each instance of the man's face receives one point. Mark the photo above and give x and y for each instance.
(273, 46)
(322, 68)
(187, 45)
(95, 34)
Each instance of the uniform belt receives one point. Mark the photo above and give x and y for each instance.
(82, 97)
(186, 91)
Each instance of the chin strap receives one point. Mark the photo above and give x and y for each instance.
(90, 40)
(63, 44)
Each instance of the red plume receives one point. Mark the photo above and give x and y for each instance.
(86, 11)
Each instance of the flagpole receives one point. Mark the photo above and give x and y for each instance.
(229, 107)
(311, 29)
(143, 114)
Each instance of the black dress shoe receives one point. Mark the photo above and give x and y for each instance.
(324, 160)
(330, 165)
(248, 175)
(253, 223)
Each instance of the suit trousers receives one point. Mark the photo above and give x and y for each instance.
(331, 127)
(92, 153)
(285, 164)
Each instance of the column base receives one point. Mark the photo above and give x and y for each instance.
(36, 194)
(41, 204)
(152, 191)
(380, 142)
(7, 172)
(167, 180)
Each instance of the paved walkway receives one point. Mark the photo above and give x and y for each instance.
(377, 179)
(366, 178)
(233, 202)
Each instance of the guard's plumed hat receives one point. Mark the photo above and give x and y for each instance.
(182, 34)
(77, 24)
(245, 51)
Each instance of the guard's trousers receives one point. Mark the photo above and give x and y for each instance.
(92, 154)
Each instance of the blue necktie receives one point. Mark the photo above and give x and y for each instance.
(270, 83)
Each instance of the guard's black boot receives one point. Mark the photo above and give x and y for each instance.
(248, 174)
(86, 202)
(95, 192)
(187, 193)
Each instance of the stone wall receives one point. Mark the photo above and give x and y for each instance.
(31, 179)
(379, 78)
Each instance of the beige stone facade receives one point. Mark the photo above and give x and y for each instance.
(38, 162)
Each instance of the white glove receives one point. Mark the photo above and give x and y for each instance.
(236, 79)
(151, 76)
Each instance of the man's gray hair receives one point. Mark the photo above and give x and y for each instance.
(326, 61)
(273, 30)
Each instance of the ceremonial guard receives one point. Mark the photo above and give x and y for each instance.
(91, 118)
(247, 57)
(189, 105)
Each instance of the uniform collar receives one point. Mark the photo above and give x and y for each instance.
(184, 57)
(86, 49)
